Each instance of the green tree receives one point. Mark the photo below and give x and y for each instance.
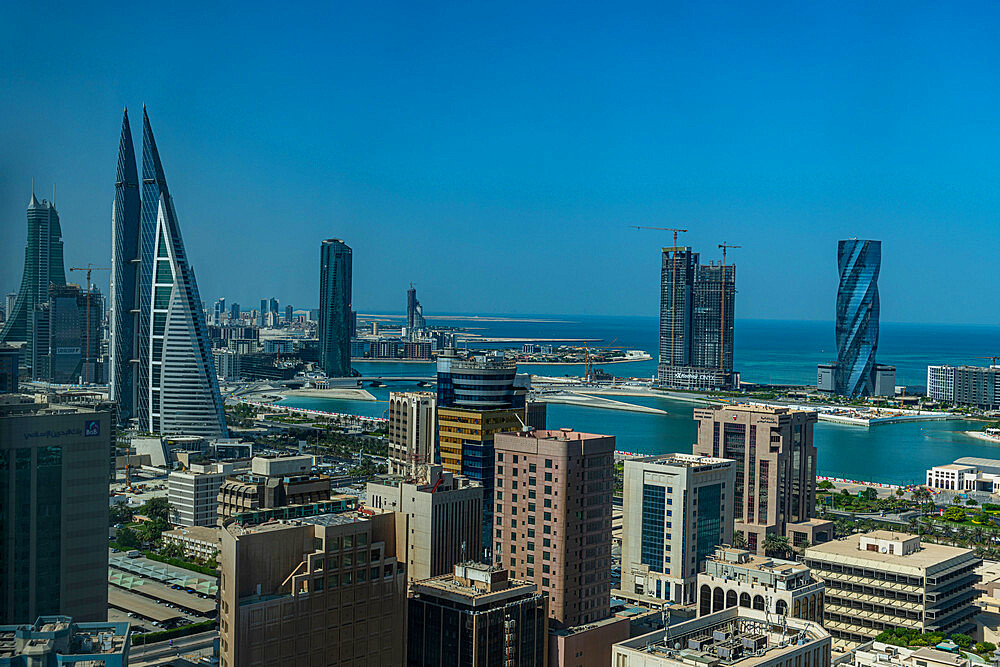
(776, 545)
(964, 641)
(156, 508)
(900, 492)
(825, 484)
(739, 539)
(119, 513)
(954, 513)
(869, 494)
(126, 538)
(984, 647)
(971, 501)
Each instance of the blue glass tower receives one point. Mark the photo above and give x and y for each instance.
(857, 316)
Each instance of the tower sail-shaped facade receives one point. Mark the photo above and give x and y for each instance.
(43, 267)
(174, 384)
(124, 278)
(859, 262)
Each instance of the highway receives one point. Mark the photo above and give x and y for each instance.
(192, 648)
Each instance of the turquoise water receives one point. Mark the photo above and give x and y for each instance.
(895, 453)
(766, 351)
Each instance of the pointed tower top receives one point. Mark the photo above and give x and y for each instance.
(152, 169)
(34, 202)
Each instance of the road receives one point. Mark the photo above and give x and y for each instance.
(193, 648)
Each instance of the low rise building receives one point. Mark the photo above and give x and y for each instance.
(272, 483)
(57, 640)
(738, 578)
(196, 541)
(443, 514)
(678, 508)
(194, 493)
(736, 637)
(477, 617)
(884, 580)
(878, 654)
(969, 473)
(302, 592)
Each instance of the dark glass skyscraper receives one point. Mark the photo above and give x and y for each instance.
(174, 388)
(43, 266)
(335, 266)
(857, 316)
(414, 312)
(696, 321)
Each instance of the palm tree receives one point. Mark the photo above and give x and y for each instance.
(739, 539)
(914, 526)
(776, 544)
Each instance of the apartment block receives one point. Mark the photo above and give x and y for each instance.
(54, 463)
(736, 637)
(775, 461)
(883, 580)
(412, 430)
(273, 483)
(194, 493)
(552, 522)
(677, 509)
(316, 591)
(738, 578)
(476, 617)
(977, 386)
(443, 514)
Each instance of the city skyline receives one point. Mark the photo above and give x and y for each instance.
(799, 179)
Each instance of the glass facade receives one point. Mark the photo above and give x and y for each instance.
(335, 288)
(48, 542)
(857, 316)
(709, 527)
(653, 512)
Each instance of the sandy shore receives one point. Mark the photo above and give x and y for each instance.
(979, 435)
(344, 393)
(587, 401)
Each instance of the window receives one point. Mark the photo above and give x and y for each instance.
(548, 463)
(531, 467)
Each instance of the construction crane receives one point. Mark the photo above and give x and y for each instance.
(588, 364)
(993, 360)
(722, 308)
(673, 282)
(89, 269)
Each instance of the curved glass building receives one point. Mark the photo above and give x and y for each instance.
(173, 387)
(857, 316)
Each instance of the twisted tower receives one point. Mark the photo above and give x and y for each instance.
(857, 316)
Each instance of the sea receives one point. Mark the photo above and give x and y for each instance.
(766, 351)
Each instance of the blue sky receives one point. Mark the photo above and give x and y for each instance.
(495, 155)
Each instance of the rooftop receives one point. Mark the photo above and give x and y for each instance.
(927, 555)
(751, 561)
(565, 434)
(684, 460)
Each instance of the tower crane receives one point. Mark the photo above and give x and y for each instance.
(722, 308)
(673, 282)
(90, 267)
(993, 360)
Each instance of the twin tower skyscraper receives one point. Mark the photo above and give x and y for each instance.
(162, 372)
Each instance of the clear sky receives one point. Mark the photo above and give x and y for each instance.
(495, 153)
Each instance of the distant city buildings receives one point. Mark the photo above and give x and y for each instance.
(975, 386)
(305, 591)
(54, 464)
(335, 308)
(27, 320)
(885, 580)
(775, 463)
(67, 344)
(412, 431)
(477, 617)
(696, 322)
(163, 375)
(678, 508)
(857, 317)
(443, 514)
(552, 520)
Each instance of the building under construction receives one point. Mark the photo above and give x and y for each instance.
(696, 322)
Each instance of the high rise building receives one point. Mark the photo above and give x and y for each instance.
(313, 590)
(677, 509)
(414, 312)
(273, 306)
(43, 266)
(8, 369)
(857, 316)
(477, 617)
(885, 580)
(696, 321)
(978, 386)
(552, 521)
(174, 388)
(67, 347)
(53, 527)
(775, 465)
(234, 313)
(289, 312)
(443, 514)
(412, 431)
(335, 269)
(193, 493)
